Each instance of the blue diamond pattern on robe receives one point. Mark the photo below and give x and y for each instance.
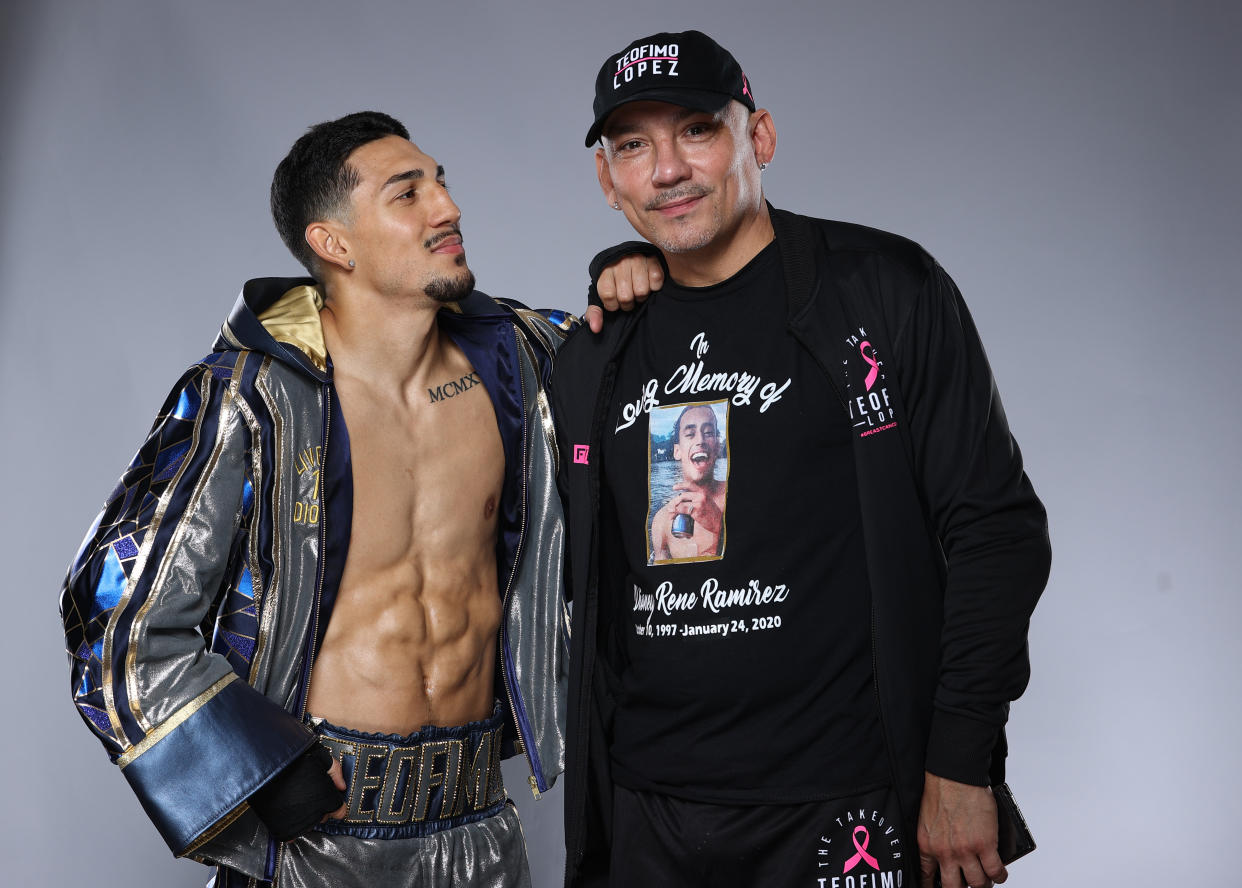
(187, 404)
(245, 584)
(125, 548)
(111, 585)
(98, 718)
(240, 643)
(167, 463)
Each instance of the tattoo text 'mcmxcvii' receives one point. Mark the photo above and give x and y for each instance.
(452, 389)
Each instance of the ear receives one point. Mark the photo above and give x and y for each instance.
(605, 176)
(763, 135)
(329, 242)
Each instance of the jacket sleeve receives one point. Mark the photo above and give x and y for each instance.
(991, 526)
(611, 255)
(191, 736)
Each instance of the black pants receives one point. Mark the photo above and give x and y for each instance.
(659, 841)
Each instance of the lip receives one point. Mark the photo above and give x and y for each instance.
(450, 245)
(680, 208)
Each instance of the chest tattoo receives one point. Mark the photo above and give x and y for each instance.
(454, 388)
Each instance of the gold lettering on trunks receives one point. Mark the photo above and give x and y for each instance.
(366, 781)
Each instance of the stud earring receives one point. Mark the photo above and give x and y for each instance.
(351, 263)
(616, 205)
(762, 167)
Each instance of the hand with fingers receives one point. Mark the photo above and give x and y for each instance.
(309, 791)
(694, 500)
(623, 285)
(958, 836)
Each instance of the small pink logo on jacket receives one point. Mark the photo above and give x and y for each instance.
(874, 373)
(871, 410)
(582, 454)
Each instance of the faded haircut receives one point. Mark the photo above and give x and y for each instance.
(315, 179)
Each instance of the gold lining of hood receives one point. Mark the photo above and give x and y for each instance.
(294, 320)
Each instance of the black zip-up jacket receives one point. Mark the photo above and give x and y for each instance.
(956, 541)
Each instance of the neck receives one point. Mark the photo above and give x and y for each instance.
(386, 343)
(725, 256)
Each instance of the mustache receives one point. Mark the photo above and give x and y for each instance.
(676, 194)
(430, 242)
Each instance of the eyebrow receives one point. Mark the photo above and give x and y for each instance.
(411, 175)
(619, 122)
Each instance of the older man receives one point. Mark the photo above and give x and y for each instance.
(797, 711)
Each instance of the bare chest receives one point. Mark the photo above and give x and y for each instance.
(428, 479)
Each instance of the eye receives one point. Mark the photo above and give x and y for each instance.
(406, 195)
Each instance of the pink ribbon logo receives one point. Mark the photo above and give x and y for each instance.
(875, 366)
(582, 453)
(862, 851)
(746, 88)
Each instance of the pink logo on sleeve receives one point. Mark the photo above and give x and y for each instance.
(582, 454)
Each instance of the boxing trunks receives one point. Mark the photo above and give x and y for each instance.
(426, 809)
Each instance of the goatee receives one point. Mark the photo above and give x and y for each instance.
(448, 290)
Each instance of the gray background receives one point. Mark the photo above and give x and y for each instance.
(1072, 164)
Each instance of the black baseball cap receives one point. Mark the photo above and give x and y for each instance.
(687, 68)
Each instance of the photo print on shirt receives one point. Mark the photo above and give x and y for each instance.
(687, 482)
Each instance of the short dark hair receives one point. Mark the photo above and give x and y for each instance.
(687, 409)
(314, 180)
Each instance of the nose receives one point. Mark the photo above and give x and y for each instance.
(444, 210)
(670, 166)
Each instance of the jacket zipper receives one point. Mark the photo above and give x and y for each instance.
(502, 642)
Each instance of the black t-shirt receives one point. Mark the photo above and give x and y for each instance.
(744, 621)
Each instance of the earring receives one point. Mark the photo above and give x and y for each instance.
(762, 167)
(616, 205)
(351, 263)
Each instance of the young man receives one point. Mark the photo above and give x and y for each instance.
(340, 535)
(691, 523)
(797, 711)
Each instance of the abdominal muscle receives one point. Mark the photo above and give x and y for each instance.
(412, 636)
(409, 646)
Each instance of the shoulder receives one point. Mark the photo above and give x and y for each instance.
(848, 242)
(892, 250)
(544, 328)
(233, 378)
(873, 273)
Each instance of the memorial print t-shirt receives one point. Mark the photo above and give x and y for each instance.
(744, 622)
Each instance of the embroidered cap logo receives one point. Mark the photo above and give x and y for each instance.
(648, 58)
